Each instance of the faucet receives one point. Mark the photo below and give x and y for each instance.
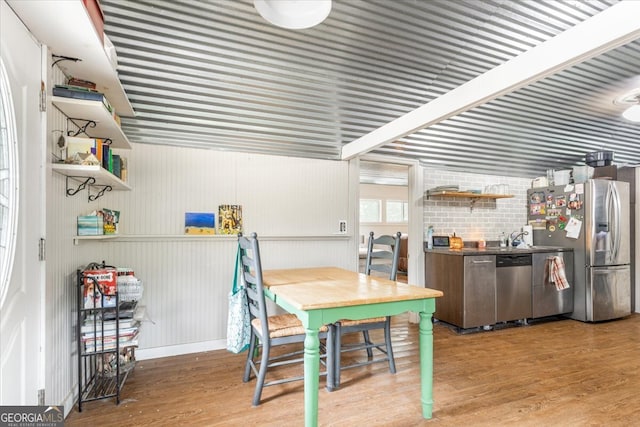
(519, 234)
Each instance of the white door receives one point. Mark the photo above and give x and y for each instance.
(21, 311)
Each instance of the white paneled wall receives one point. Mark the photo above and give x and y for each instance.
(293, 204)
(487, 219)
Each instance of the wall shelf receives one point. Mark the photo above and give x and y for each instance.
(209, 237)
(76, 239)
(84, 110)
(75, 37)
(467, 195)
(89, 176)
(101, 175)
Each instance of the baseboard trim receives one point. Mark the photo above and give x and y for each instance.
(70, 401)
(177, 350)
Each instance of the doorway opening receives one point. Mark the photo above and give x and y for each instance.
(384, 208)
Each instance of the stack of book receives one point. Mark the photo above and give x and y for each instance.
(78, 92)
(99, 335)
(84, 89)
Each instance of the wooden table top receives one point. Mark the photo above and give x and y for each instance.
(327, 287)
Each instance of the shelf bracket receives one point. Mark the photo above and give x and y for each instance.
(81, 129)
(472, 202)
(59, 58)
(105, 188)
(72, 191)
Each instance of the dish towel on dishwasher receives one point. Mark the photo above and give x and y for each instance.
(556, 273)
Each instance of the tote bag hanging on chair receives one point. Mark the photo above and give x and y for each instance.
(238, 321)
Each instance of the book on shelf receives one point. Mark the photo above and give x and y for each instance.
(117, 165)
(124, 334)
(99, 331)
(80, 92)
(133, 314)
(123, 169)
(77, 93)
(129, 334)
(105, 345)
(106, 156)
(76, 82)
(98, 150)
(95, 323)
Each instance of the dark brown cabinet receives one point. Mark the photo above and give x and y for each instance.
(469, 287)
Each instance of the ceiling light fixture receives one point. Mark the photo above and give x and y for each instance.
(632, 113)
(293, 14)
(633, 100)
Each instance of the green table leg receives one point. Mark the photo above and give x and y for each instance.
(311, 374)
(426, 364)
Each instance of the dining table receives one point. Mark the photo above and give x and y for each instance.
(324, 295)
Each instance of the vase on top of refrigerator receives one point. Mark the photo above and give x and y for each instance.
(592, 218)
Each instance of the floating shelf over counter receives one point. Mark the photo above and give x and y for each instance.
(84, 109)
(469, 195)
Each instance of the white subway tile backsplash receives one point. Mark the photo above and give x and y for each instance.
(487, 219)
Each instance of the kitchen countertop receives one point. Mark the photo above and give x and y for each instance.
(497, 250)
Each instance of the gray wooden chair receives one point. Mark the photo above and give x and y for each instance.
(379, 260)
(269, 331)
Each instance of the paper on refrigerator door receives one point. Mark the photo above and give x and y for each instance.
(573, 228)
(528, 238)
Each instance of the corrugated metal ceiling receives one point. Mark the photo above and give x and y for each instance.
(214, 74)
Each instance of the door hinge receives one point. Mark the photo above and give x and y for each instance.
(41, 249)
(43, 97)
(41, 397)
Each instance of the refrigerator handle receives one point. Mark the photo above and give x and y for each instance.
(616, 221)
(609, 242)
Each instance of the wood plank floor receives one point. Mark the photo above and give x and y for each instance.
(555, 373)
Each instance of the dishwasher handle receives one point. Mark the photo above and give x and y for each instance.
(513, 260)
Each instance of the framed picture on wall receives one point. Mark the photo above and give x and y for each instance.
(230, 219)
(199, 223)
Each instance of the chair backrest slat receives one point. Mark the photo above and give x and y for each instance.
(391, 253)
(252, 273)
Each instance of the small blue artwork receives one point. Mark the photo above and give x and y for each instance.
(199, 223)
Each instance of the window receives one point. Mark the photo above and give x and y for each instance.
(8, 183)
(397, 211)
(370, 210)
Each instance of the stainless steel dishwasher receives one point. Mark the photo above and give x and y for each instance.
(513, 287)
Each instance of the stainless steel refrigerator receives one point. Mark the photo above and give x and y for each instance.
(592, 218)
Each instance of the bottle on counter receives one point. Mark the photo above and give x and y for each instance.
(430, 237)
(502, 238)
